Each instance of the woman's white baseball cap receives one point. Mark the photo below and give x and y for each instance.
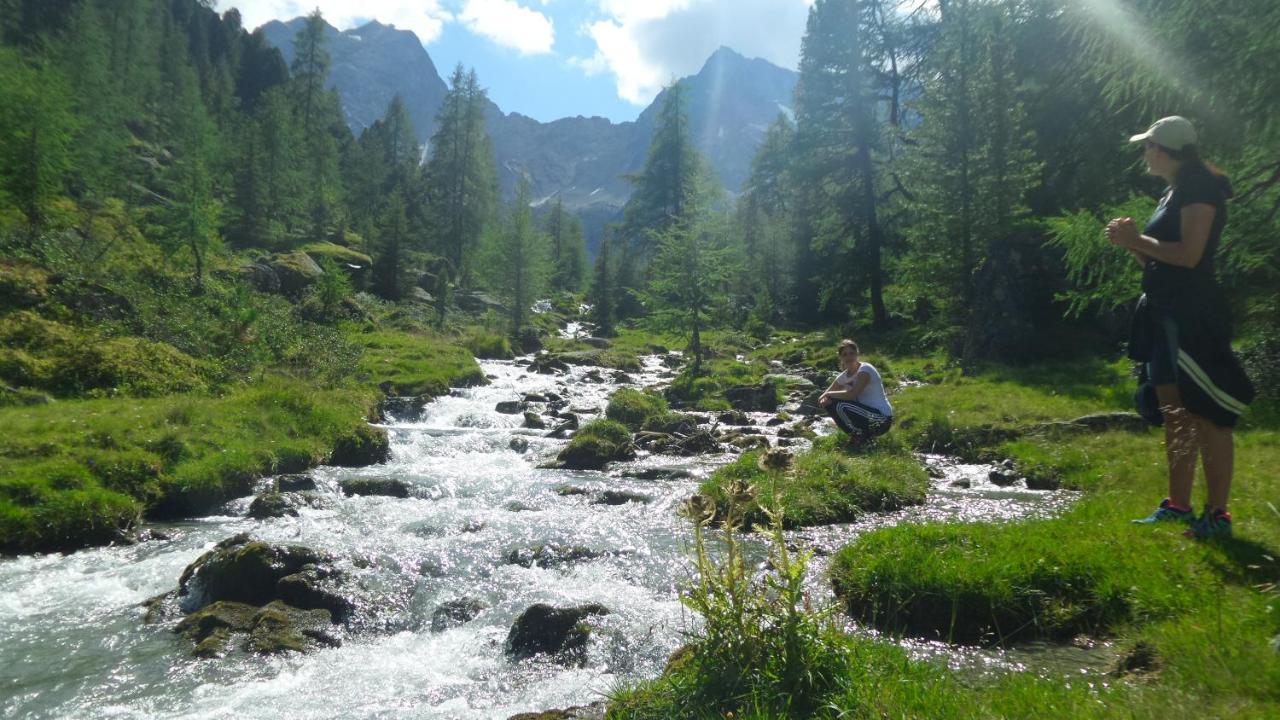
(1174, 132)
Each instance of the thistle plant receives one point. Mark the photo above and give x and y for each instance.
(761, 638)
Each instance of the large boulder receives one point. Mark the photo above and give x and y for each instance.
(296, 271)
(274, 505)
(274, 628)
(561, 632)
(477, 302)
(241, 569)
(753, 398)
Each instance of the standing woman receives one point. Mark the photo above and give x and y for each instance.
(1182, 327)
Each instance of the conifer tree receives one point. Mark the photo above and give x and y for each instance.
(689, 270)
(603, 289)
(517, 263)
(37, 125)
(460, 182)
(568, 252)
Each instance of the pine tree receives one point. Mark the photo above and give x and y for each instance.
(568, 252)
(37, 126)
(517, 263)
(460, 182)
(603, 289)
(392, 243)
(689, 270)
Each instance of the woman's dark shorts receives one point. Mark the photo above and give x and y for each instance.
(1162, 367)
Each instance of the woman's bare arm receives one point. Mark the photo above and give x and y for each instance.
(1196, 222)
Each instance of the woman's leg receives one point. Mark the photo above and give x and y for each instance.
(1217, 449)
(840, 421)
(1180, 444)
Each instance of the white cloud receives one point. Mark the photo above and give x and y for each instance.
(426, 18)
(509, 24)
(647, 44)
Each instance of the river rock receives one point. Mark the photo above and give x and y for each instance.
(571, 490)
(363, 446)
(621, 497)
(658, 473)
(274, 505)
(453, 613)
(405, 408)
(244, 570)
(518, 444)
(757, 398)
(314, 587)
(547, 556)
(509, 407)
(375, 486)
(294, 483)
(548, 365)
(1002, 477)
(791, 382)
(563, 429)
(274, 628)
(734, 417)
(535, 398)
(594, 711)
(543, 629)
(699, 442)
(593, 453)
(749, 442)
(809, 405)
(534, 421)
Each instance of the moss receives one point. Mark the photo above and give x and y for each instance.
(73, 473)
(404, 363)
(824, 486)
(633, 407)
(596, 444)
(670, 422)
(321, 251)
(488, 345)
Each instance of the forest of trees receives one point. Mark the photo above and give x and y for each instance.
(947, 167)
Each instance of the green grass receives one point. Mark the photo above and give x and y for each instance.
(1207, 612)
(825, 485)
(73, 472)
(405, 363)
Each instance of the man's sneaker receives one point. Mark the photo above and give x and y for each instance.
(1167, 513)
(1212, 524)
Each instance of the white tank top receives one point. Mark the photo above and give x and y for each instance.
(873, 394)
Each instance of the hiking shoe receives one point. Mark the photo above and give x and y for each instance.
(1168, 513)
(1211, 525)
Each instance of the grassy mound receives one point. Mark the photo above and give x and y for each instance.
(596, 444)
(405, 364)
(73, 472)
(825, 485)
(632, 407)
(66, 361)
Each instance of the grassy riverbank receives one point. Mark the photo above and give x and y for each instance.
(1191, 625)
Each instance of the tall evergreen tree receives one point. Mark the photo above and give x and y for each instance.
(568, 252)
(689, 269)
(602, 295)
(517, 264)
(461, 184)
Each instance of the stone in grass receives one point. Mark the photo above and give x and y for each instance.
(761, 398)
(559, 632)
(621, 497)
(453, 613)
(375, 486)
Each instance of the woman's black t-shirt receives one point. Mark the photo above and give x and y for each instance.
(1165, 284)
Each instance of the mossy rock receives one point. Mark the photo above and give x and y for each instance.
(558, 632)
(670, 422)
(297, 272)
(595, 445)
(389, 487)
(243, 570)
(364, 445)
(633, 407)
(275, 628)
(340, 255)
(22, 284)
(274, 505)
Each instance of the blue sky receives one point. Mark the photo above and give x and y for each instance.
(554, 58)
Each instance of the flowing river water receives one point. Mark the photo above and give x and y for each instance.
(73, 642)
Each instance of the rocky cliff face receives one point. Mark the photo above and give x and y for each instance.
(581, 160)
